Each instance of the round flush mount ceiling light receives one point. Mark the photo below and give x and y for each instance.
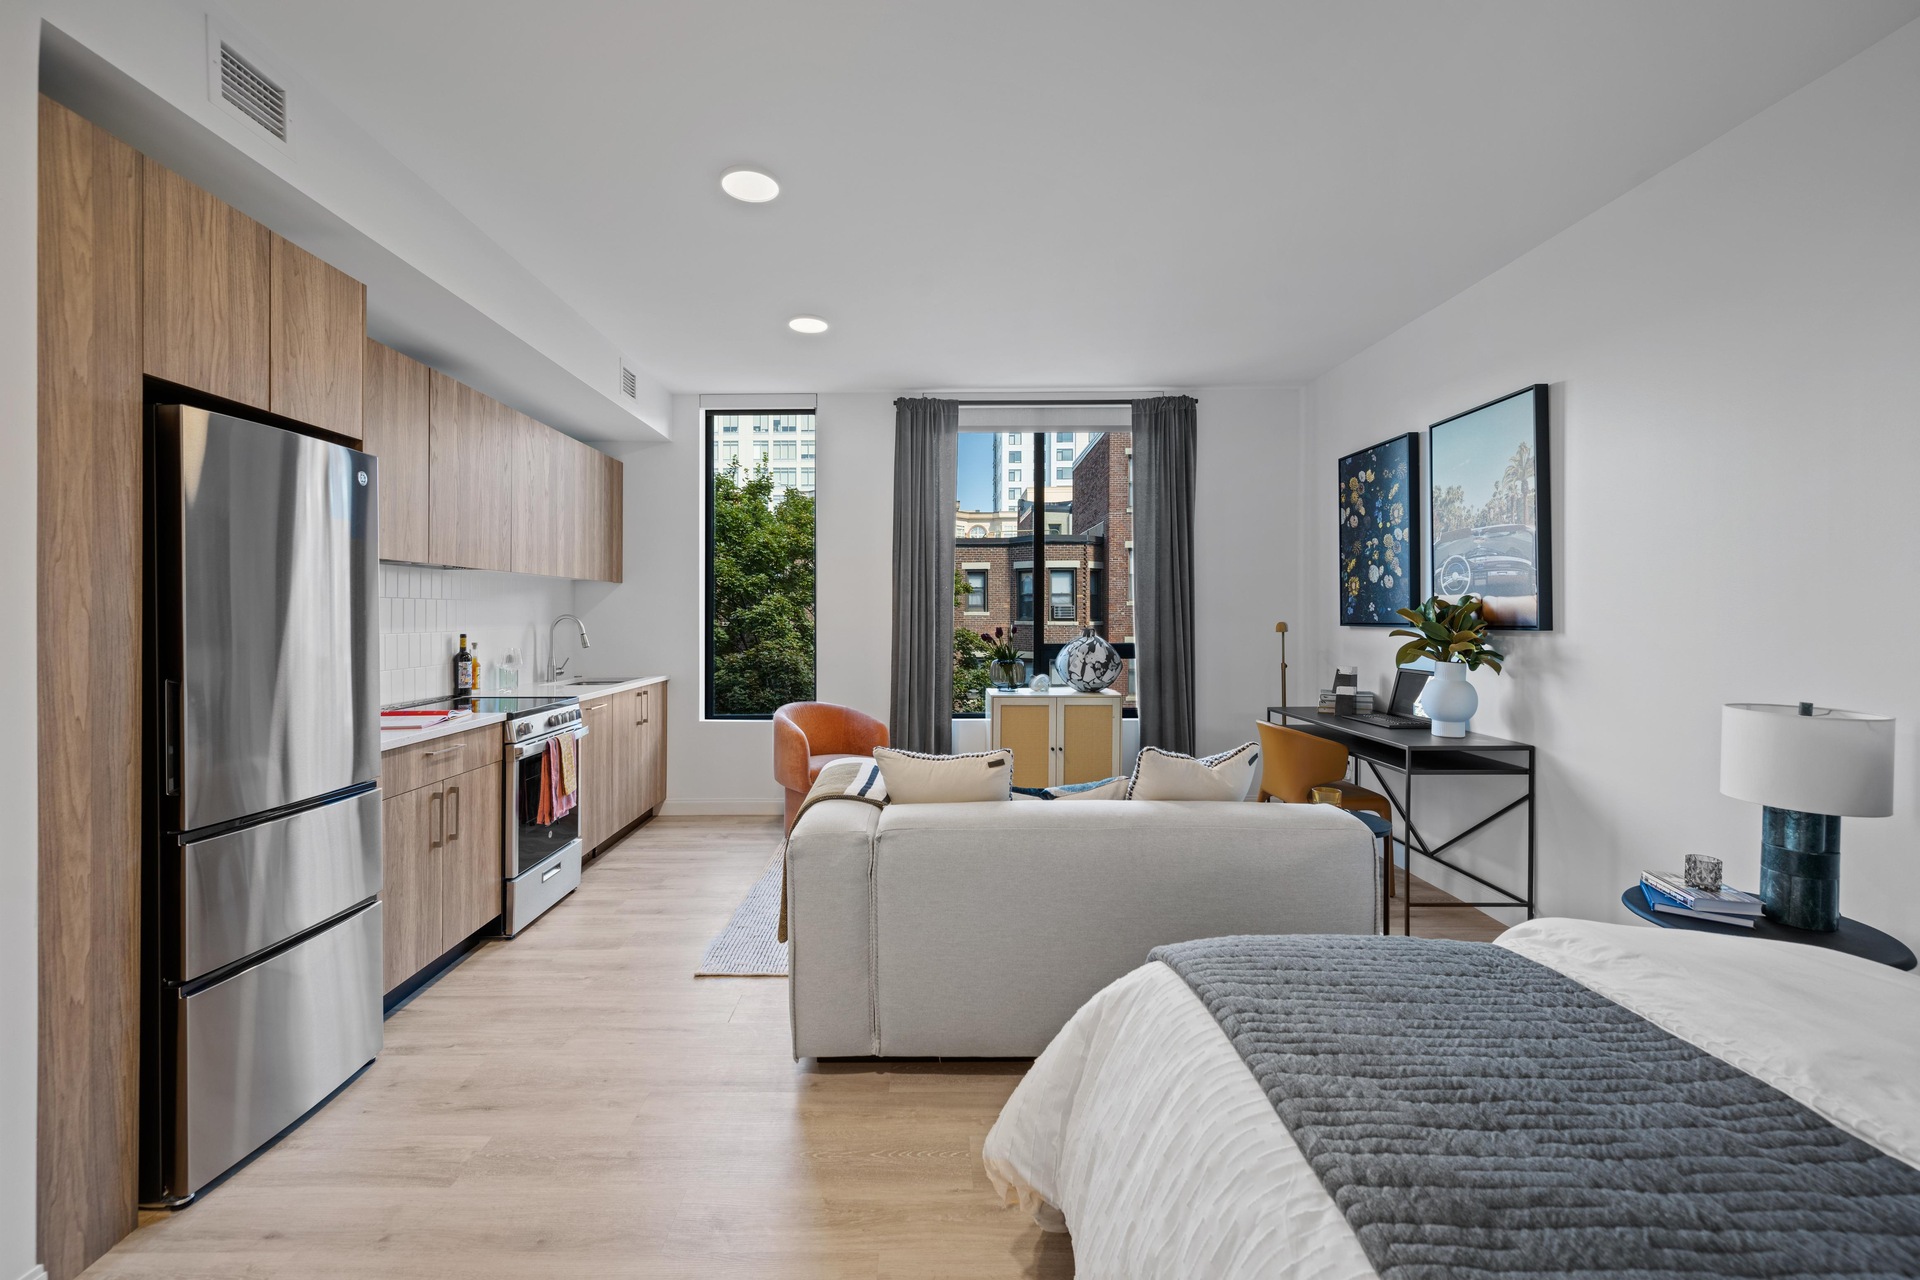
(749, 185)
(807, 324)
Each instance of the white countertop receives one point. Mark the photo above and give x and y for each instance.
(459, 723)
(462, 721)
(588, 692)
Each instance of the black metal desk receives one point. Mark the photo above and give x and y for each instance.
(1415, 753)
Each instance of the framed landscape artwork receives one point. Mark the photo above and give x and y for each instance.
(1379, 549)
(1490, 509)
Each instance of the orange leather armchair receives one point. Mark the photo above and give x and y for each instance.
(809, 736)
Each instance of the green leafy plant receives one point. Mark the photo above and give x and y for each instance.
(1000, 646)
(1445, 632)
(763, 579)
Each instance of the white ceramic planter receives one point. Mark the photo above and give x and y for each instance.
(1449, 700)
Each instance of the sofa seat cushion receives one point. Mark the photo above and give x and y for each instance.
(913, 778)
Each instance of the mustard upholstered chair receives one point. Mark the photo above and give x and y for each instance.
(1293, 764)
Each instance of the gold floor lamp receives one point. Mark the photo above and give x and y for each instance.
(1281, 627)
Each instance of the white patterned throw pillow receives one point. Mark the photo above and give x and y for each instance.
(1168, 775)
(913, 778)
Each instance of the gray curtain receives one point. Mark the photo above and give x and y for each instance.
(1163, 447)
(926, 463)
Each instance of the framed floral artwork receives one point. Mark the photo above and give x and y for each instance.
(1379, 553)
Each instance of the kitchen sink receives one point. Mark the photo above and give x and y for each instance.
(593, 682)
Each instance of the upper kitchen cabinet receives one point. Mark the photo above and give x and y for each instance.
(541, 505)
(597, 517)
(317, 337)
(472, 450)
(205, 291)
(395, 415)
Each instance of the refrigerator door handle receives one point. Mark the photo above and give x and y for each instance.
(170, 733)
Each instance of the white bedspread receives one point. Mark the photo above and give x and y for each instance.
(1143, 1129)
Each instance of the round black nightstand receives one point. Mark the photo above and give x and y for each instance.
(1852, 937)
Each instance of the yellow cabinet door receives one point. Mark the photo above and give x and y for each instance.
(1026, 729)
(1087, 741)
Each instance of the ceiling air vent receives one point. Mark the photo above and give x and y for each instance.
(629, 382)
(245, 88)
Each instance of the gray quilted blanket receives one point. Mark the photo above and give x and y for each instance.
(1475, 1113)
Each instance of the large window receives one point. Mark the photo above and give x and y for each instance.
(1047, 542)
(760, 568)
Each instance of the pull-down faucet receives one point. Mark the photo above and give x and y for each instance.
(555, 666)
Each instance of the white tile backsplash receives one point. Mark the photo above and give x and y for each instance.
(423, 612)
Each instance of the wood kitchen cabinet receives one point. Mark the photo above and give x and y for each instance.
(471, 868)
(410, 888)
(471, 449)
(205, 295)
(396, 399)
(623, 760)
(598, 804)
(443, 867)
(316, 340)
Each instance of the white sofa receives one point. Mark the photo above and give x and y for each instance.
(976, 930)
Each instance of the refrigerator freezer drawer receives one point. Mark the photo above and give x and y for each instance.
(259, 1049)
(254, 888)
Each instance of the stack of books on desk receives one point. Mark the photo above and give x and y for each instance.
(1674, 896)
(1362, 702)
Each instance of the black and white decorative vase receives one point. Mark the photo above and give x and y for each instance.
(1090, 663)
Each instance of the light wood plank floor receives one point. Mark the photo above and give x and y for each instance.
(576, 1104)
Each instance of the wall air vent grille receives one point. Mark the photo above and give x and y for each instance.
(629, 382)
(251, 93)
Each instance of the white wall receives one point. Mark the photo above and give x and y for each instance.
(1734, 352)
(1245, 581)
(424, 611)
(19, 851)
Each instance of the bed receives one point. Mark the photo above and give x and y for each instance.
(1143, 1130)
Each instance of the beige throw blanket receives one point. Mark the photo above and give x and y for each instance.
(855, 780)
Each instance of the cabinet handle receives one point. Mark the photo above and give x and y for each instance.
(444, 751)
(440, 820)
(454, 794)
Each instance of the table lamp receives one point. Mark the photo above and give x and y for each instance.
(1809, 766)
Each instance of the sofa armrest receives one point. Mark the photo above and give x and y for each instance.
(829, 931)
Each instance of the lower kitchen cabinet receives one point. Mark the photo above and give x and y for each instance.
(624, 759)
(443, 867)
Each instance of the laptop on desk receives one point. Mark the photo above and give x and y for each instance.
(1407, 685)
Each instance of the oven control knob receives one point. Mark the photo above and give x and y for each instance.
(552, 721)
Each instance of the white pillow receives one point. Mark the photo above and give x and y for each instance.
(1168, 775)
(913, 778)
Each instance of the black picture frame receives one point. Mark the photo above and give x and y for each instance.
(1380, 534)
(1490, 509)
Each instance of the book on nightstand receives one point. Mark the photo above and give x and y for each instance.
(1673, 896)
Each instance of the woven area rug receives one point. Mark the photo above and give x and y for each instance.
(747, 947)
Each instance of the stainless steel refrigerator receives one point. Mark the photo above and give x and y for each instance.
(261, 928)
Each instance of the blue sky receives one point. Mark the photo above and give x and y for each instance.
(976, 471)
(1472, 452)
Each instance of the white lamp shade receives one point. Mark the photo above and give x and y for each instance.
(1838, 762)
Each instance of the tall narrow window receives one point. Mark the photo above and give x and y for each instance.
(760, 571)
(1056, 528)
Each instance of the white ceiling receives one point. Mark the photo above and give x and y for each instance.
(1023, 193)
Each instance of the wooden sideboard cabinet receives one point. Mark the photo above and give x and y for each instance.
(1059, 737)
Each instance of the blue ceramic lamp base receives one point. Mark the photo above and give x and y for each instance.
(1800, 869)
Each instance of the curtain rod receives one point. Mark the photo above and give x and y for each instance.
(1036, 404)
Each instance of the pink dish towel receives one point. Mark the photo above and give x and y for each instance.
(562, 799)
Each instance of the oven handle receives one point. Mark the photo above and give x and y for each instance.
(521, 750)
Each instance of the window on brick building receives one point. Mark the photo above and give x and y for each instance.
(977, 589)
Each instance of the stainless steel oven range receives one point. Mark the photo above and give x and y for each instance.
(541, 858)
